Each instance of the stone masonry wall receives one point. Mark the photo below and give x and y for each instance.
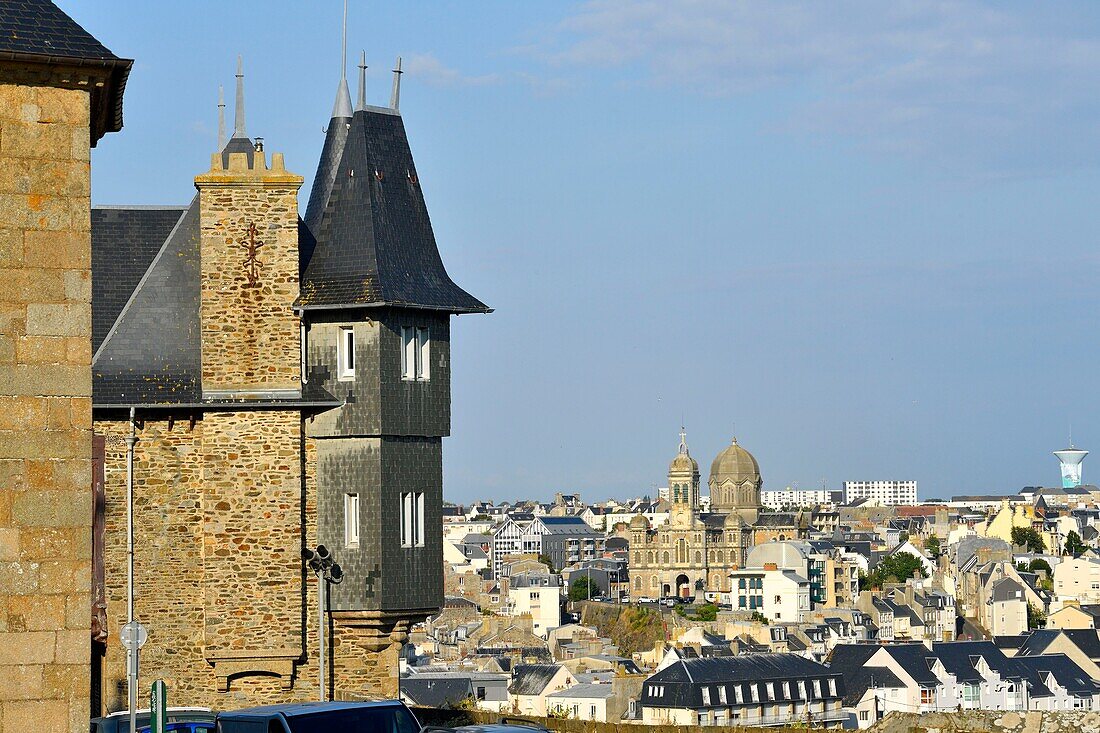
(45, 409)
(250, 335)
(990, 721)
(252, 527)
(179, 530)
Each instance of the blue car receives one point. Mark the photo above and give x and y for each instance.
(321, 717)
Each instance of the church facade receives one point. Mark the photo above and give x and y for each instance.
(270, 382)
(693, 554)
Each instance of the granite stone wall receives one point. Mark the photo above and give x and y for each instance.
(45, 408)
(219, 509)
(250, 334)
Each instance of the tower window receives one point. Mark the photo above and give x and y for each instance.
(351, 520)
(412, 519)
(346, 355)
(416, 347)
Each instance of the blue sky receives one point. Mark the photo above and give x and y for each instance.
(859, 235)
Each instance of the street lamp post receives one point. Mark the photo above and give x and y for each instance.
(327, 571)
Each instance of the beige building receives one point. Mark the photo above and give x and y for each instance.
(693, 554)
(1077, 578)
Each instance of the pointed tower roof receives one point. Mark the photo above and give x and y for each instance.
(239, 143)
(335, 135)
(374, 240)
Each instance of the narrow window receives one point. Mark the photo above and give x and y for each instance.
(423, 354)
(347, 353)
(351, 520)
(303, 368)
(412, 519)
(418, 540)
(406, 519)
(408, 353)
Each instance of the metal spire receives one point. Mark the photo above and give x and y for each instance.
(238, 118)
(683, 441)
(342, 106)
(395, 95)
(221, 117)
(361, 102)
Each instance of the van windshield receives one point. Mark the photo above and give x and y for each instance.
(356, 720)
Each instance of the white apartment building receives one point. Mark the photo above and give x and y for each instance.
(780, 595)
(791, 497)
(539, 596)
(885, 493)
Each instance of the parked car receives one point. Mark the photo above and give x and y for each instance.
(186, 726)
(390, 716)
(120, 722)
(645, 599)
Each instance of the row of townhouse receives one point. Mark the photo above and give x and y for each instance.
(954, 676)
(911, 611)
(751, 690)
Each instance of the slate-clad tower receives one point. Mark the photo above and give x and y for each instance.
(376, 303)
(290, 381)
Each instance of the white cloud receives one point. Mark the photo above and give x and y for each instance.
(431, 70)
(962, 85)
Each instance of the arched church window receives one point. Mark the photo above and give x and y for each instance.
(637, 583)
(653, 582)
(666, 558)
(698, 557)
(649, 557)
(721, 556)
(681, 550)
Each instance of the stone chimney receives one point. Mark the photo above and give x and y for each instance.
(249, 250)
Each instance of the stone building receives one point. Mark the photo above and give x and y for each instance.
(694, 552)
(60, 92)
(287, 380)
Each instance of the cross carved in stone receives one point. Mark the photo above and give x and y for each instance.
(252, 261)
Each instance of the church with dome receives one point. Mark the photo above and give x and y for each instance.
(695, 551)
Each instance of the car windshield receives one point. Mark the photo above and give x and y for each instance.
(356, 720)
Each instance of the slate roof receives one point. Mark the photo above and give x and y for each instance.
(1087, 640)
(124, 242)
(152, 351)
(682, 682)
(37, 31)
(849, 659)
(584, 691)
(374, 241)
(1065, 671)
(775, 519)
(531, 679)
(436, 692)
(145, 309)
(959, 658)
(914, 659)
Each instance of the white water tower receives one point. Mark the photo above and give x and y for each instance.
(1071, 459)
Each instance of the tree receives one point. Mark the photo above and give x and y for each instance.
(932, 546)
(1074, 544)
(1028, 538)
(896, 568)
(1036, 619)
(707, 612)
(583, 588)
(545, 560)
